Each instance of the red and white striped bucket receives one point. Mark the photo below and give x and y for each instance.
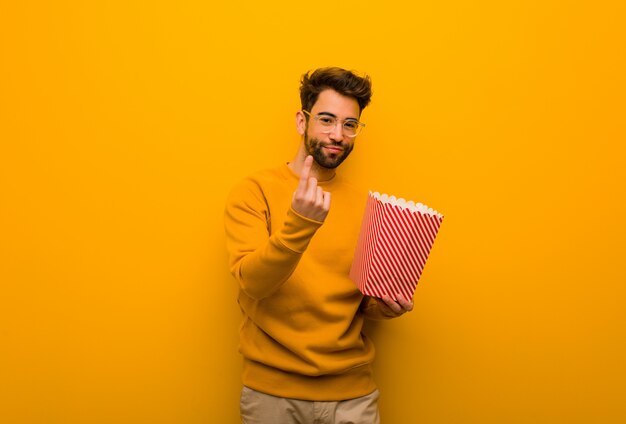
(394, 244)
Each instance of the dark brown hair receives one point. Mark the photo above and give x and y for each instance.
(342, 81)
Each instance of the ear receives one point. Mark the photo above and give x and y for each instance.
(300, 122)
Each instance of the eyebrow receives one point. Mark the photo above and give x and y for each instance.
(335, 116)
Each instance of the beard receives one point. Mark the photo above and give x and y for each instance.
(314, 147)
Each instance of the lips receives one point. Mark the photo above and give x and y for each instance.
(334, 149)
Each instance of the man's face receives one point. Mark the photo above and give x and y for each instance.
(330, 149)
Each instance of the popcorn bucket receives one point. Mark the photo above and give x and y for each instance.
(394, 243)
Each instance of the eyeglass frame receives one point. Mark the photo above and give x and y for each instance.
(360, 124)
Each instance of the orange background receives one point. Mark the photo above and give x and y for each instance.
(124, 125)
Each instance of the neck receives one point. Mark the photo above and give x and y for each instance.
(317, 172)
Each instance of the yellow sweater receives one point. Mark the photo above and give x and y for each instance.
(302, 315)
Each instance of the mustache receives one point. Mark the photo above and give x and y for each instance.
(339, 144)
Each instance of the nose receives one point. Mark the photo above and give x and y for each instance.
(337, 133)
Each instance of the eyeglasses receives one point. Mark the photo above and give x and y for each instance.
(350, 127)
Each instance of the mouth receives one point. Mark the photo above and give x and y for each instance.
(333, 149)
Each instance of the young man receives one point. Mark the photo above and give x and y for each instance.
(291, 234)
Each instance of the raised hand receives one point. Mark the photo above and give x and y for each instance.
(309, 200)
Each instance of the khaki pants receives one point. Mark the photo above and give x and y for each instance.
(259, 408)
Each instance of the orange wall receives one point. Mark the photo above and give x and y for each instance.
(123, 126)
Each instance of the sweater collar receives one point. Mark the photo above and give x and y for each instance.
(292, 175)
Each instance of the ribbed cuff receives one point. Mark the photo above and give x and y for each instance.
(297, 232)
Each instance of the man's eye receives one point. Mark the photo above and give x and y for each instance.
(351, 125)
(326, 120)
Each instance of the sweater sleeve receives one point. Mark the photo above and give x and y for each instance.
(261, 262)
(376, 309)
